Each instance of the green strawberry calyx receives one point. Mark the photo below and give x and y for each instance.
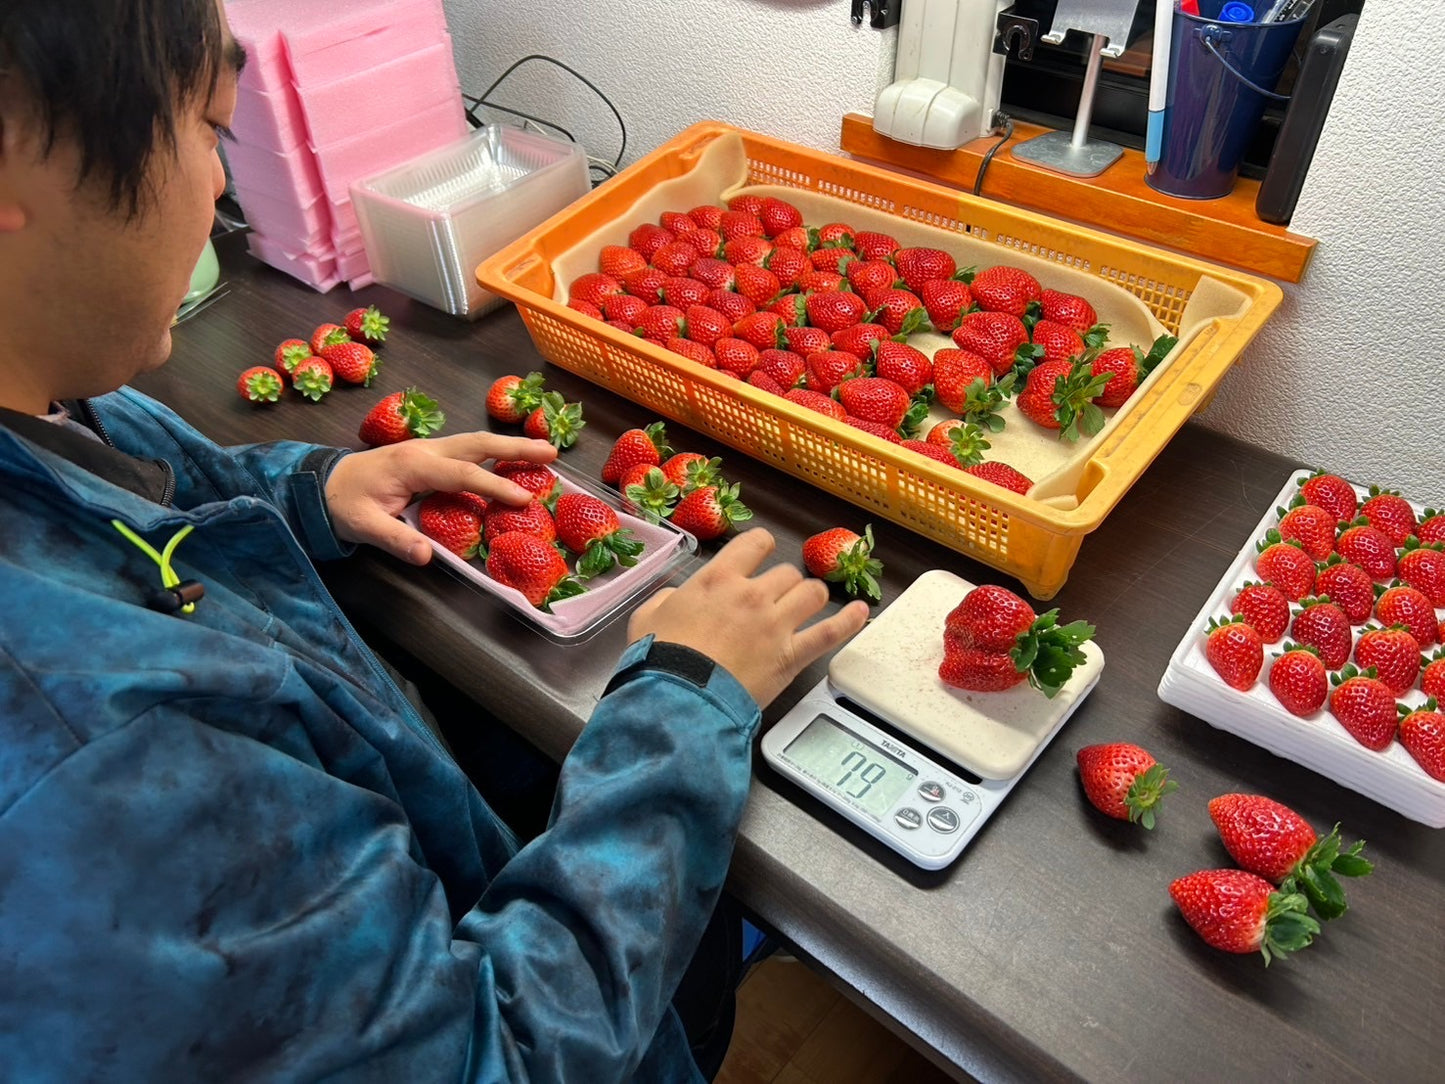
(1157, 353)
(1049, 652)
(526, 395)
(418, 411)
(968, 444)
(374, 325)
(619, 547)
(1073, 398)
(857, 569)
(1314, 873)
(655, 498)
(1148, 788)
(564, 419)
(566, 587)
(1288, 926)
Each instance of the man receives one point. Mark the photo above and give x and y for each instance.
(228, 845)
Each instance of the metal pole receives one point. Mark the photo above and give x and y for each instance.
(1086, 99)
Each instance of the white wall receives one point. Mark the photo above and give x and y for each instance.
(1348, 374)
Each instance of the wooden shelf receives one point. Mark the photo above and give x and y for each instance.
(1223, 230)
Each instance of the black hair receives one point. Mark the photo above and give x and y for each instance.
(114, 76)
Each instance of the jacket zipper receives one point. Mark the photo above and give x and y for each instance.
(92, 420)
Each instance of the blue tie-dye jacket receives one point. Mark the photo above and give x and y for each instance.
(229, 848)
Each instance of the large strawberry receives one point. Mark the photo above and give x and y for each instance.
(1431, 528)
(1070, 309)
(869, 277)
(675, 257)
(1238, 911)
(1322, 625)
(1299, 681)
(833, 310)
(367, 325)
(786, 265)
(1309, 525)
(537, 479)
(1271, 840)
(691, 470)
(703, 355)
(556, 420)
(1364, 706)
(592, 286)
(1422, 566)
(783, 367)
(588, 527)
(993, 641)
(899, 311)
(1332, 493)
(763, 329)
(619, 261)
(1264, 606)
(839, 555)
(679, 291)
(708, 512)
(817, 401)
(1364, 544)
(1284, 564)
(736, 356)
(1123, 781)
(260, 384)
(954, 371)
(658, 323)
(1060, 395)
(998, 337)
(747, 250)
(1236, 652)
(352, 362)
(872, 245)
(919, 265)
(645, 283)
(882, 401)
(531, 518)
(648, 238)
(511, 398)
(704, 324)
(757, 284)
(1349, 587)
(1126, 367)
(945, 301)
(1005, 289)
(1422, 733)
(738, 222)
(829, 368)
(1408, 607)
(806, 340)
(778, 215)
(635, 446)
(400, 416)
(525, 563)
(1059, 342)
(1001, 474)
(1393, 654)
(860, 340)
(907, 366)
(454, 520)
(1391, 513)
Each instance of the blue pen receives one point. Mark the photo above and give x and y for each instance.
(1158, 84)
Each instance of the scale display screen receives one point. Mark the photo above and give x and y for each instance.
(849, 766)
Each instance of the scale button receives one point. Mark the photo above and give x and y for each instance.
(931, 792)
(907, 817)
(943, 819)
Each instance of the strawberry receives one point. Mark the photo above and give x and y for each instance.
(1422, 733)
(816, 401)
(703, 355)
(816, 280)
(794, 237)
(786, 265)
(761, 380)
(1001, 474)
(586, 308)
(739, 223)
(860, 340)
(1367, 546)
(708, 243)
(675, 257)
(833, 310)
(1349, 587)
(829, 368)
(454, 520)
(750, 250)
(1400, 604)
(647, 493)
(1123, 781)
(736, 356)
(1422, 566)
(658, 323)
(935, 452)
(778, 215)
(367, 325)
(326, 335)
(905, 365)
(1332, 493)
(997, 337)
(619, 261)
(313, 378)
(633, 447)
(260, 384)
(290, 354)
(707, 215)
(1285, 565)
(1432, 678)
(708, 512)
(1431, 528)
(555, 420)
(1298, 679)
(692, 470)
(1236, 652)
(352, 362)
(1059, 342)
(1127, 367)
(992, 620)
(1391, 513)
(1263, 606)
(1069, 309)
(806, 340)
(945, 301)
(757, 284)
(1059, 395)
(536, 478)
(676, 223)
(531, 518)
(877, 429)
(624, 308)
(400, 416)
(764, 330)
(836, 260)
(879, 400)
(1005, 289)
(871, 245)
(1322, 625)
(511, 398)
(525, 563)
(835, 234)
(714, 273)
(705, 325)
(868, 277)
(1237, 911)
(588, 527)
(680, 292)
(953, 372)
(793, 308)
(839, 555)
(1309, 525)
(919, 265)
(899, 311)
(731, 305)
(783, 367)
(1392, 653)
(646, 284)
(648, 238)
(965, 440)
(594, 287)
(1364, 706)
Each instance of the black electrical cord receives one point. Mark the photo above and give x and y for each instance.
(479, 104)
(481, 100)
(1008, 131)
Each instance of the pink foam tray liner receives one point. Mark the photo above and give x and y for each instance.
(379, 96)
(316, 272)
(288, 175)
(376, 150)
(328, 37)
(270, 120)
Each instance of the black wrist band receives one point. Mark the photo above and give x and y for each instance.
(692, 666)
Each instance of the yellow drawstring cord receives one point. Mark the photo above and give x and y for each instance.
(169, 578)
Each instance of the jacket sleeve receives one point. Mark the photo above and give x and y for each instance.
(183, 902)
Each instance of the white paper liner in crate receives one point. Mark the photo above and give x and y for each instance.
(1318, 741)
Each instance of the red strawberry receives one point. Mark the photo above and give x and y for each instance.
(1001, 474)
(945, 301)
(708, 215)
(1121, 366)
(739, 223)
(400, 416)
(594, 287)
(619, 261)
(786, 265)
(757, 284)
(1392, 653)
(1298, 679)
(676, 222)
(1069, 309)
(647, 493)
(794, 237)
(646, 284)
(588, 527)
(899, 311)
(708, 243)
(624, 308)
(905, 365)
(992, 642)
(658, 323)
(842, 556)
(1369, 547)
(829, 368)
(692, 470)
(1236, 652)
(555, 420)
(793, 308)
(703, 355)
(836, 260)
(1423, 568)
(635, 446)
(964, 440)
(816, 281)
(919, 265)
(1285, 565)
(953, 372)
(1322, 625)
(764, 330)
(749, 250)
(731, 305)
(1349, 587)
(816, 401)
(352, 362)
(1263, 606)
(736, 356)
(871, 245)
(675, 257)
(325, 335)
(1391, 513)
(978, 671)
(367, 325)
(778, 215)
(1409, 608)
(537, 479)
(1005, 289)
(1123, 781)
(877, 429)
(784, 367)
(1364, 706)
(1422, 733)
(1237, 911)
(860, 340)
(705, 325)
(648, 238)
(991, 618)
(764, 382)
(535, 568)
(1059, 342)
(1431, 528)
(454, 520)
(714, 273)
(680, 292)
(1432, 678)
(935, 452)
(531, 518)
(290, 354)
(833, 310)
(836, 234)
(1309, 525)
(868, 277)
(708, 512)
(806, 340)
(999, 338)
(260, 384)
(1332, 493)
(313, 378)
(877, 400)
(1059, 395)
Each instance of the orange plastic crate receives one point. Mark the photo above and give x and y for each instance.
(1030, 540)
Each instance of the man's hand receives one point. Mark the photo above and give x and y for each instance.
(748, 621)
(368, 490)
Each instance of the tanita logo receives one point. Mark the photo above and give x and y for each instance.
(894, 748)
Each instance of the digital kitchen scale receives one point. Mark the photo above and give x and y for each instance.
(890, 786)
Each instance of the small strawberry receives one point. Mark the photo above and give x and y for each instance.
(658, 323)
(1001, 474)
(1322, 625)
(1432, 674)
(786, 265)
(750, 250)
(1392, 653)
(680, 292)
(763, 329)
(555, 420)
(954, 371)
(511, 398)
(833, 310)
(589, 527)
(836, 234)
(1332, 493)
(531, 518)
(326, 335)
(537, 479)
(945, 301)
(1309, 525)
(998, 337)
(676, 222)
(842, 556)
(454, 520)
(1422, 566)
(899, 311)
(675, 257)
(705, 325)
(795, 237)
(1237, 911)
(993, 620)
(367, 325)
(1400, 604)
(1006, 289)
(733, 306)
(1391, 513)
(860, 340)
(1349, 587)
(1299, 681)
(1422, 733)
(737, 222)
(400, 416)
(1285, 565)
(707, 215)
(836, 260)
(806, 340)
(353, 362)
(880, 401)
(783, 367)
(871, 245)
(1364, 706)
(313, 378)
(815, 280)
(1432, 527)
(1369, 547)
(868, 277)
(645, 284)
(692, 470)
(793, 308)
(647, 238)
(778, 215)
(907, 366)
(647, 492)
(594, 287)
(533, 567)
(1123, 781)
(713, 273)
(703, 355)
(1059, 342)
(707, 513)
(919, 265)
(816, 401)
(1236, 652)
(619, 261)
(1126, 366)
(290, 354)
(829, 368)
(1068, 309)
(757, 284)
(1059, 395)
(1263, 606)
(260, 384)
(736, 356)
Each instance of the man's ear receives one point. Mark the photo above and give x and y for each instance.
(12, 212)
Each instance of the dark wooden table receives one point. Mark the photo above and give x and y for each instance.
(1050, 950)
